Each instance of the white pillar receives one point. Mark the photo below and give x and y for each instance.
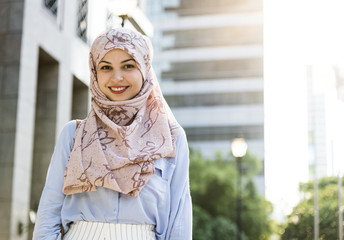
(25, 123)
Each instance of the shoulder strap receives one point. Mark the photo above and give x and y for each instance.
(78, 121)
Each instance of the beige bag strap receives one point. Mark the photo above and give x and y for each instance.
(78, 121)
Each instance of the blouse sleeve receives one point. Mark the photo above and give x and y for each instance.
(48, 220)
(180, 222)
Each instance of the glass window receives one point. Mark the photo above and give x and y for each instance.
(224, 132)
(52, 6)
(220, 69)
(218, 36)
(82, 20)
(199, 7)
(218, 99)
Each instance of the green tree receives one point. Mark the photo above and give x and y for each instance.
(224, 229)
(300, 224)
(203, 221)
(218, 228)
(214, 190)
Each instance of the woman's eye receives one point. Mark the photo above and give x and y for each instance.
(105, 68)
(128, 66)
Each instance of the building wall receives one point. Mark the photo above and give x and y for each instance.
(49, 47)
(44, 77)
(11, 25)
(325, 116)
(209, 59)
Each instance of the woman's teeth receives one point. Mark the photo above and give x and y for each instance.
(117, 88)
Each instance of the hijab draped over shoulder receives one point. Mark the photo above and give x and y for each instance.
(116, 145)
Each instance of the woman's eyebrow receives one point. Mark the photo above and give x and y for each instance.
(124, 61)
(102, 61)
(130, 59)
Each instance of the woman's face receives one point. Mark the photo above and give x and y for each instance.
(119, 77)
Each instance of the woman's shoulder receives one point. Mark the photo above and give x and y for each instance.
(181, 139)
(168, 164)
(67, 134)
(69, 128)
(182, 149)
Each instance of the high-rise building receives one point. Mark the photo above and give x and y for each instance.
(209, 59)
(44, 75)
(325, 118)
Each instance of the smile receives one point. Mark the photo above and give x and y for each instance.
(118, 90)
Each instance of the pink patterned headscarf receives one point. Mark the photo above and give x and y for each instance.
(116, 145)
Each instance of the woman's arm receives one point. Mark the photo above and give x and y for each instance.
(180, 222)
(48, 222)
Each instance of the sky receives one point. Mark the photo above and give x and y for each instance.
(297, 34)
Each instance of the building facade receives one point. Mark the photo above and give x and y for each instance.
(44, 77)
(325, 118)
(209, 59)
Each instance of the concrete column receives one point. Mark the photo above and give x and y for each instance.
(24, 126)
(64, 97)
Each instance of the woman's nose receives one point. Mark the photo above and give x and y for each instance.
(117, 75)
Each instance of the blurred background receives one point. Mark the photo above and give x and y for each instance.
(257, 85)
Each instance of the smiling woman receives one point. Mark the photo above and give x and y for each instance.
(118, 75)
(123, 171)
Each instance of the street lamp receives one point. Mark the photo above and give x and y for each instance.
(239, 148)
(130, 10)
(123, 8)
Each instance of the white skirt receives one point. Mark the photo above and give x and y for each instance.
(109, 231)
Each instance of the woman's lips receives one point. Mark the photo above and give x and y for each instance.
(118, 90)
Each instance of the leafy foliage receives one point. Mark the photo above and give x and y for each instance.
(203, 221)
(214, 195)
(300, 223)
(217, 228)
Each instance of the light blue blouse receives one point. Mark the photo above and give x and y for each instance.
(164, 202)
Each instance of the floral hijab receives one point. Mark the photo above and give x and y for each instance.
(116, 145)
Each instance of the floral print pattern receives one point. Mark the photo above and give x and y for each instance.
(116, 145)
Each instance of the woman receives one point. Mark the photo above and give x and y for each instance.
(122, 173)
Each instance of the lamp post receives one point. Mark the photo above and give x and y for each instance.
(340, 208)
(239, 148)
(130, 11)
